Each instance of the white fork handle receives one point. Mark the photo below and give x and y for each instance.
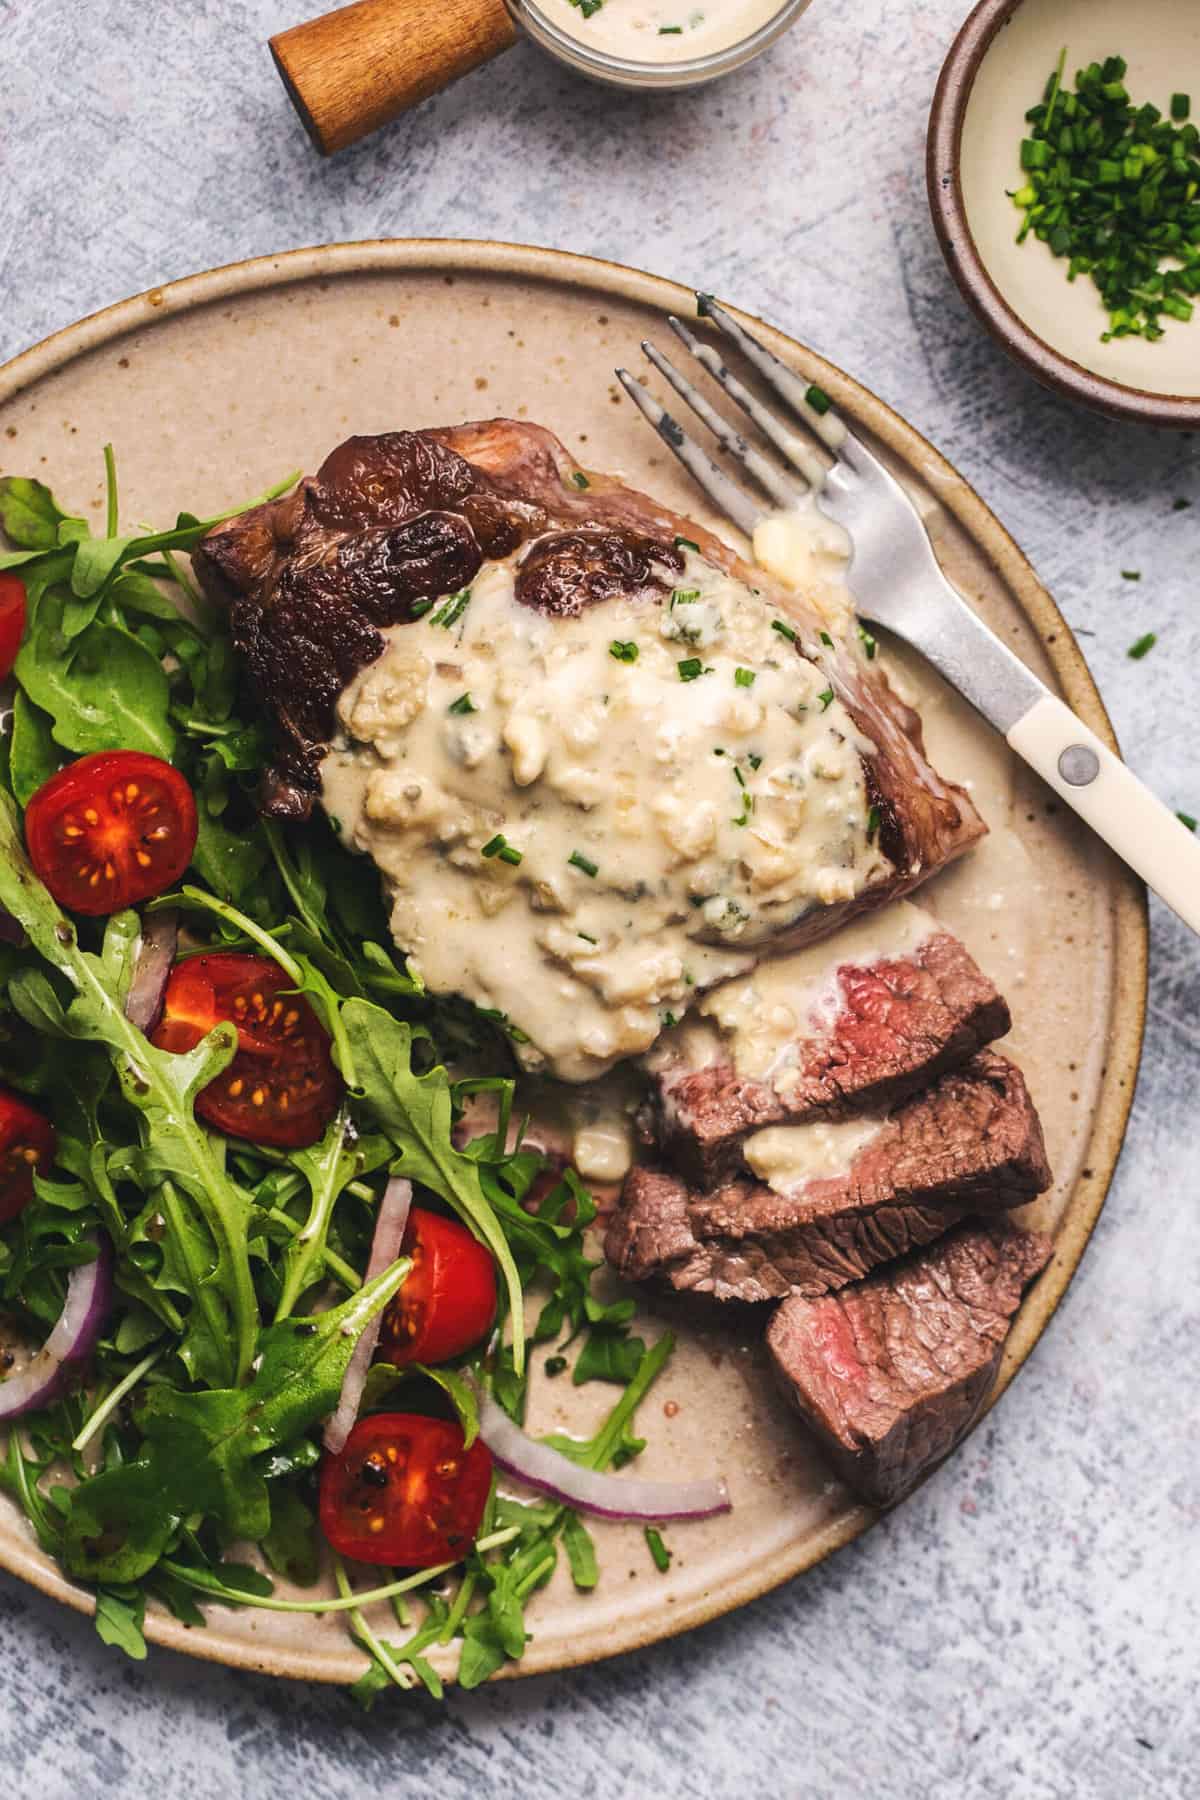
(1084, 772)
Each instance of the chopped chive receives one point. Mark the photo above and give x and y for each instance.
(1143, 646)
(626, 652)
(1131, 574)
(452, 610)
(744, 677)
(754, 761)
(872, 823)
(419, 608)
(580, 479)
(1180, 505)
(670, 31)
(682, 543)
(738, 776)
(818, 399)
(826, 699)
(783, 630)
(691, 667)
(1181, 106)
(586, 936)
(500, 847)
(668, 1019)
(464, 704)
(578, 860)
(684, 596)
(826, 639)
(869, 643)
(658, 1550)
(1186, 819)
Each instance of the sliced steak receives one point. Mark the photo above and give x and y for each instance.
(899, 1023)
(891, 1373)
(973, 1143)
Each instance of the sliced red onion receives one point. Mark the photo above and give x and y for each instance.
(71, 1342)
(156, 954)
(610, 1496)
(385, 1248)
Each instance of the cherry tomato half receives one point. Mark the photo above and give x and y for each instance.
(448, 1301)
(110, 830)
(404, 1491)
(281, 1088)
(12, 621)
(26, 1144)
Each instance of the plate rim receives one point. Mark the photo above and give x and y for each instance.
(959, 498)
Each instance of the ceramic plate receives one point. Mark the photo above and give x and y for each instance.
(216, 386)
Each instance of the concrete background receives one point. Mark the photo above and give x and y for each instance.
(1027, 1625)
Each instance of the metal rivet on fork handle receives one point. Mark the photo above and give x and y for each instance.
(1078, 765)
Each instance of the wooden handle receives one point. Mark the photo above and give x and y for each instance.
(352, 70)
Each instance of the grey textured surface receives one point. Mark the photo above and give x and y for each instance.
(1026, 1626)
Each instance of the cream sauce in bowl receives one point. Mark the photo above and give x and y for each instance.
(661, 31)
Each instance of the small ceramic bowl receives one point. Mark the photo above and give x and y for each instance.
(997, 70)
(565, 32)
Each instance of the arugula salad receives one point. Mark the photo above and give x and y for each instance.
(268, 1286)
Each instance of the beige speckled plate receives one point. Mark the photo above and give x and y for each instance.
(217, 385)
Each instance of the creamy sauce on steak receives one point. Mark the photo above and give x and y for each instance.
(585, 821)
(786, 1157)
(757, 1023)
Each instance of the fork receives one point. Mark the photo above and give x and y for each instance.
(898, 583)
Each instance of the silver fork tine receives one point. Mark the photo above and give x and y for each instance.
(781, 490)
(725, 494)
(790, 387)
(797, 450)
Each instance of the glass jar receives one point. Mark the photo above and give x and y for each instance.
(630, 72)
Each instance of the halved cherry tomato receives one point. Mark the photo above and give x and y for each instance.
(404, 1491)
(110, 830)
(12, 621)
(26, 1144)
(448, 1301)
(281, 1088)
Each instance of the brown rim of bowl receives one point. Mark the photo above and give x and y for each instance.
(943, 146)
(217, 1643)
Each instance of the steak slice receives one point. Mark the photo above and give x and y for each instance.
(972, 1143)
(891, 1373)
(899, 1023)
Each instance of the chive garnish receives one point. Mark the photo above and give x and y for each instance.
(500, 847)
(452, 610)
(419, 608)
(684, 596)
(464, 704)
(826, 699)
(691, 667)
(1186, 819)
(580, 479)
(869, 643)
(623, 651)
(818, 399)
(682, 543)
(1143, 646)
(783, 630)
(1180, 505)
(826, 639)
(586, 936)
(578, 860)
(872, 823)
(1131, 574)
(1115, 189)
(658, 1550)
(744, 677)
(670, 31)
(754, 761)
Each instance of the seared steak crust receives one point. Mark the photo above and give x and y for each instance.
(902, 1022)
(392, 521)
(891, 1373)
(972, 1143)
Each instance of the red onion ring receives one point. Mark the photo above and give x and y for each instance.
(156, 954)
(71, 1342)
(610, 1496)
(385, 1248)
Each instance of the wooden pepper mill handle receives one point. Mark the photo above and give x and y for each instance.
(354, 69)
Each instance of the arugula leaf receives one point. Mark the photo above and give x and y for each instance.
(102, 688)
(581, 1552)
(608, 1356)
(328, 1166)
(416, 1113)
(290, 1545)
(29, 513)
(33, 756)
(176, 1153)
(202, 1451)
(119, 1621)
